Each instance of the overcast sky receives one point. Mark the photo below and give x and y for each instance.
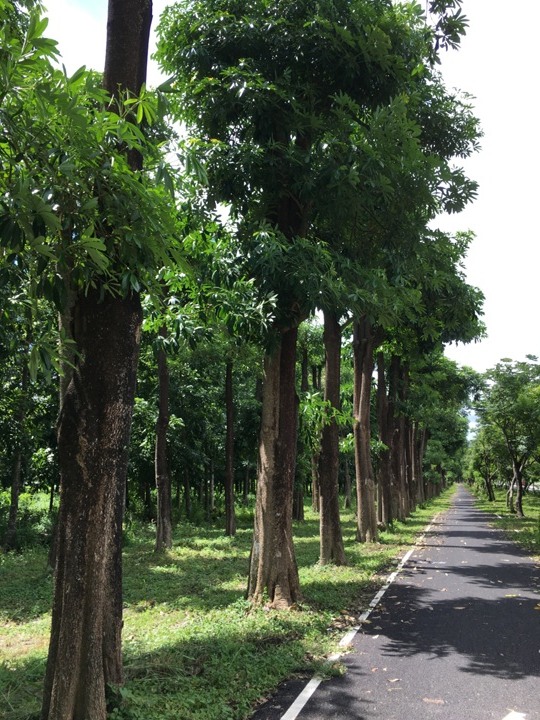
(498, 64)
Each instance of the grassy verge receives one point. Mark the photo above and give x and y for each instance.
(525, 531)
(193, 648)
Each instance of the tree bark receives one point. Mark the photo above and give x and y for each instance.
(409, 470)
(420, 435)
(273, 570)
(363, 346)
(230, 517)
(397, 392)
(384, 421)
(518, 479)
(10, 539)
(187, 494)
(246, 485)
(161, 463)
(210, 498)
(93, 437)
(332, 549)
(300, 480)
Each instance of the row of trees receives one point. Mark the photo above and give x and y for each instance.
(318, 145)
(505, 450)
(330, 138)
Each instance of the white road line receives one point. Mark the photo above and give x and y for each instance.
(298, 704)
(293, 712)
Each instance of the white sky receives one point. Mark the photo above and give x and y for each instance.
(497, 63)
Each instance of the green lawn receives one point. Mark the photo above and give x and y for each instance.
(194, 649)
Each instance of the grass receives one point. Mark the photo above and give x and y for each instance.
(193, 647)
(524, 531)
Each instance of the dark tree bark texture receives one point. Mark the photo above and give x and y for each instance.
(93, 438)
(385, 425)
(332, 550)
(363, 348)
(397, 394)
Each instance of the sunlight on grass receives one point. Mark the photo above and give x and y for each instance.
(193, 647)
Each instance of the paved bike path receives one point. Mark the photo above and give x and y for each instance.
(455, 637)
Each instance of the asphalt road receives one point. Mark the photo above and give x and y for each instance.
(456, 636)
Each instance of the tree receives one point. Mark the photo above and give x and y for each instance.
(161, 463)
(93, 437)
(263, 86)
(75, 206)
(509, 403)
(332, 549)
(484, 456)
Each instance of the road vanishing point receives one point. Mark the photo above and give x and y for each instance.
(455, 635)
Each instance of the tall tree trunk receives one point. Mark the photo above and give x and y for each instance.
(93, 438)
(409, 470)
(418, 456)
(211, 489)
(300, 480)
(187, 494)
(298, 500)
(397, 393)
(246, 485)
(510, 494)
(332, 550)
(273, 568)
(161, 463)
(518, 479)
(304, 370)
(230, 517)
(363, 345)
(10, 538)
(384, 421)
(488, 479)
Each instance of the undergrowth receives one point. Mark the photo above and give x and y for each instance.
(193, 647)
